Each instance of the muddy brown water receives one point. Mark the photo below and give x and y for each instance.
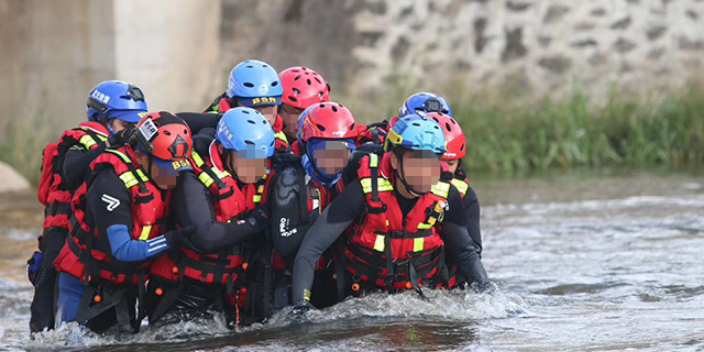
(583, 261)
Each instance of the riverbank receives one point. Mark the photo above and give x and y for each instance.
(506, 137)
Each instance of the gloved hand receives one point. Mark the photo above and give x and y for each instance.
(33, 265)
(121, 138)
(258, 218)
(179, 237)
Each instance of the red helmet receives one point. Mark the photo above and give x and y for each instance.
(303, 87)
(328, 121)
(167, 137)
(453, 136)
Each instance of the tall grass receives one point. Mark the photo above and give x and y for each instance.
(572, 132)
(504, 137)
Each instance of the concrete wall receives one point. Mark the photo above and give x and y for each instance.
(51, 54)
(538, 46)
(169, 48)
(180, 51)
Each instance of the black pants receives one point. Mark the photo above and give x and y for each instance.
(188, 300)
(44, 301)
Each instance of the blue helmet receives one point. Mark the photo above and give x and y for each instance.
(254, 83)
(416, 132)
(426, 102)
(116, 100)
(244, 129)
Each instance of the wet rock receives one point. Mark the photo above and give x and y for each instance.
(12, 181)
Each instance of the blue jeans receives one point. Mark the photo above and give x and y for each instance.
(70, 293)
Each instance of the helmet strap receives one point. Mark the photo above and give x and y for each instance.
(103, 119)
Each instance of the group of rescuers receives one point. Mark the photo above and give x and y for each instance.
(274, 196)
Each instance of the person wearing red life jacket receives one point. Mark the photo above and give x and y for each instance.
(302, 87)
(221, 199)
(113, 108)
(423, 101)
(456, 150)
(118, 225)
(254, 84)
(395, 207)
(303, 185)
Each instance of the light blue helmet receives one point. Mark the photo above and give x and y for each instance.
(116, 99)
(425, 102)
(254, 83)
(247, 132)
(416, 132)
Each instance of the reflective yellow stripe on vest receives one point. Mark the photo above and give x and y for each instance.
(130, 180)
(146, 230)
(373, 160)
(441, 189)
(383, 185)
(88, 142)
(461, 186)
(281, 136)
(418, 244)
(128, 177)
(379, 243)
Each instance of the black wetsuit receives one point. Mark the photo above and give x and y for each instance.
(349, 206)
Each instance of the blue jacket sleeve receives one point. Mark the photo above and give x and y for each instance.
(125, 249)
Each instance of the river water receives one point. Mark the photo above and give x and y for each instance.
(604, 261)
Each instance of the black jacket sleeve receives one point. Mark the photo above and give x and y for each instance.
(198, 121)
(347, 207)
(77, 161)
(459, 244)
(470, 203)
(192, 205)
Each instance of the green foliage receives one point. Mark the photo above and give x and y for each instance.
(574, 132)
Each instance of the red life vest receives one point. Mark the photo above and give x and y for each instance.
(230, 202)
(390, 249)
(54, 192)
(83, 256)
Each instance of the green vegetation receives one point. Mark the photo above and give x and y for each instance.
(511, 138)
(573, 132)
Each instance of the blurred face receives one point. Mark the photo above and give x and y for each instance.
(419, 168)
(164, 178)
(332, 159)
(118, 125)
(269, 112)
(290, 116)
(248, 170)
(453, 164)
